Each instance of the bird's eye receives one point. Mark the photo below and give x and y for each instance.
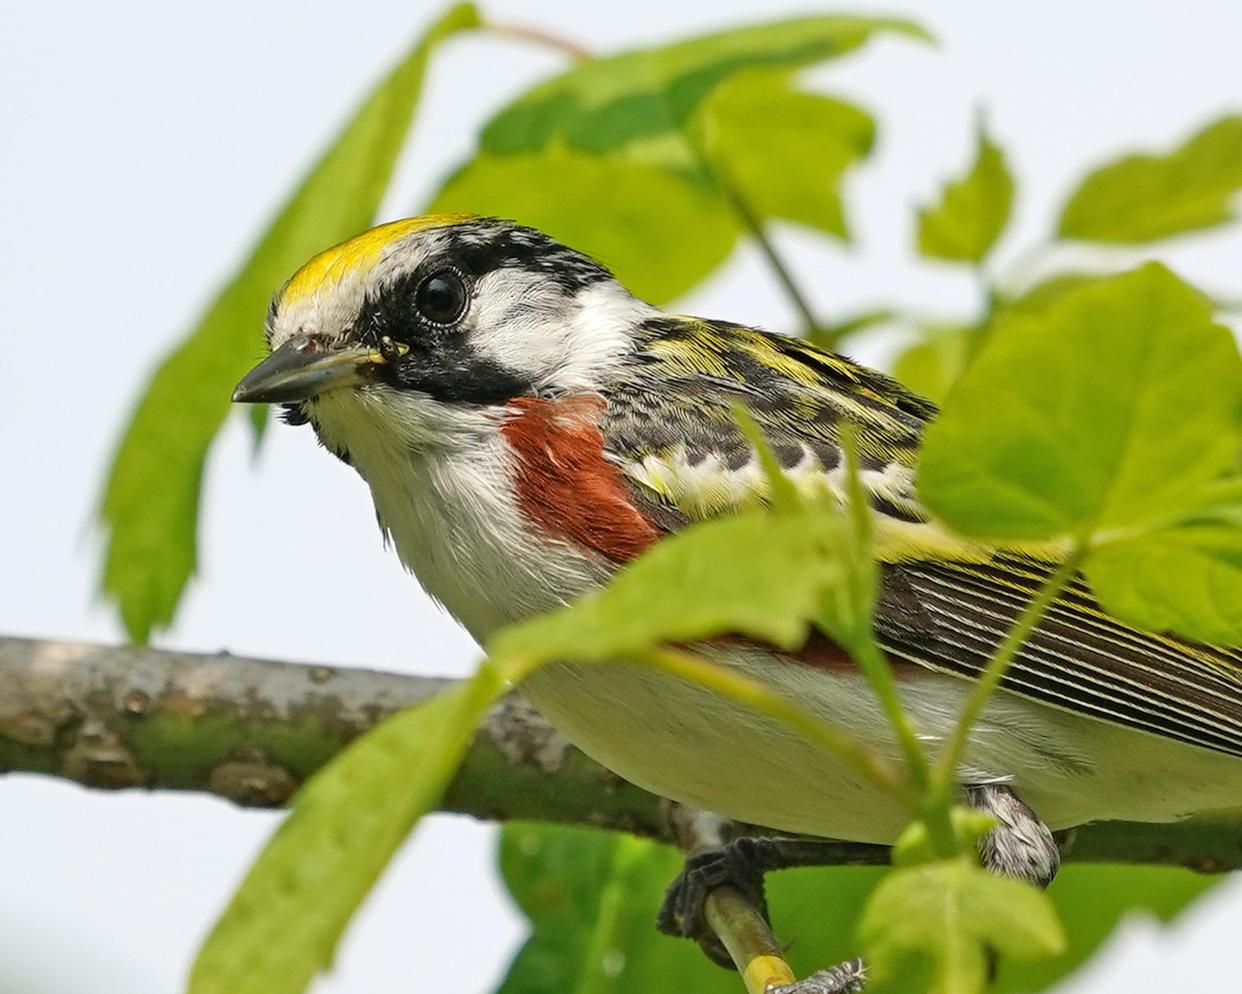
(441, 297)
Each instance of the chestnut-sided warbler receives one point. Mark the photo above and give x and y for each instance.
(526, 426)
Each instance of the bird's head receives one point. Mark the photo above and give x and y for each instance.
(416, 326)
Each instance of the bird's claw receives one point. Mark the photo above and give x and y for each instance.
(845, 978)
(740, 864)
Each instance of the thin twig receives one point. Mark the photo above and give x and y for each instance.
(538, 36)
(782, 271)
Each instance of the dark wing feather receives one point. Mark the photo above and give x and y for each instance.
(951, 617)
(669, 425)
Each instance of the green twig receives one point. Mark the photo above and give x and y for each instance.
(719, 173)
(867, 653)
(870, 658)
(754, 226)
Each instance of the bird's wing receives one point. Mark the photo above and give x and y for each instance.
(946, 602)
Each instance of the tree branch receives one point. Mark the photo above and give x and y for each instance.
(253, 730)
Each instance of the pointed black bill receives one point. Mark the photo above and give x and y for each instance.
(303, 368)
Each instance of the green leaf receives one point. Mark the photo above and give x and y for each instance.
(610, 156)
(1110, 413)
(591, 899)
(555, 876)
(972, 211)
(951, 914)
(259, 417)
(150, 504)
(693, 585)
(1186, 579)
(931, 366)
(636, 101)
(283, 925)
(782, 151)
(1142, 198)
(1037, 299)
(633, 216)
(1090, 902)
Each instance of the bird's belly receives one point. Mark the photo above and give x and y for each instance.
(691, 745)
(688, 744)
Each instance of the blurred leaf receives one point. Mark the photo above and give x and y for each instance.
(283, 924)
(783, 151)
(636, 100)
(608, 155)
(931, 366)
(952, 914)
(1114, 410)
(689, 586)
(1090, 902)
(591, 898)
(972, 211)
(1034, 300)
(150, 504)
(1142, 198)
(782, 492)
(816, 911)
(633, 217)
(1186, 579)
(258, 417)
(1045, 294)
(555, 874)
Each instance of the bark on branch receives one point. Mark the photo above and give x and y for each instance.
(253, 730)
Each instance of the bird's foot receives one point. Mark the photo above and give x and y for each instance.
(846, 978)
(740, 864)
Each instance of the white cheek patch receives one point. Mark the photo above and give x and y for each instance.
(512, 318)
(549, 337)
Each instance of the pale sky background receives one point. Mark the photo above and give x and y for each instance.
(145, 145)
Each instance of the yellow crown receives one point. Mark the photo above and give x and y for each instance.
(333, 264)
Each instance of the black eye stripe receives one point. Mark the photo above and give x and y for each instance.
(412, 310)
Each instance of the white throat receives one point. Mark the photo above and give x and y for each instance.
(441, 478)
